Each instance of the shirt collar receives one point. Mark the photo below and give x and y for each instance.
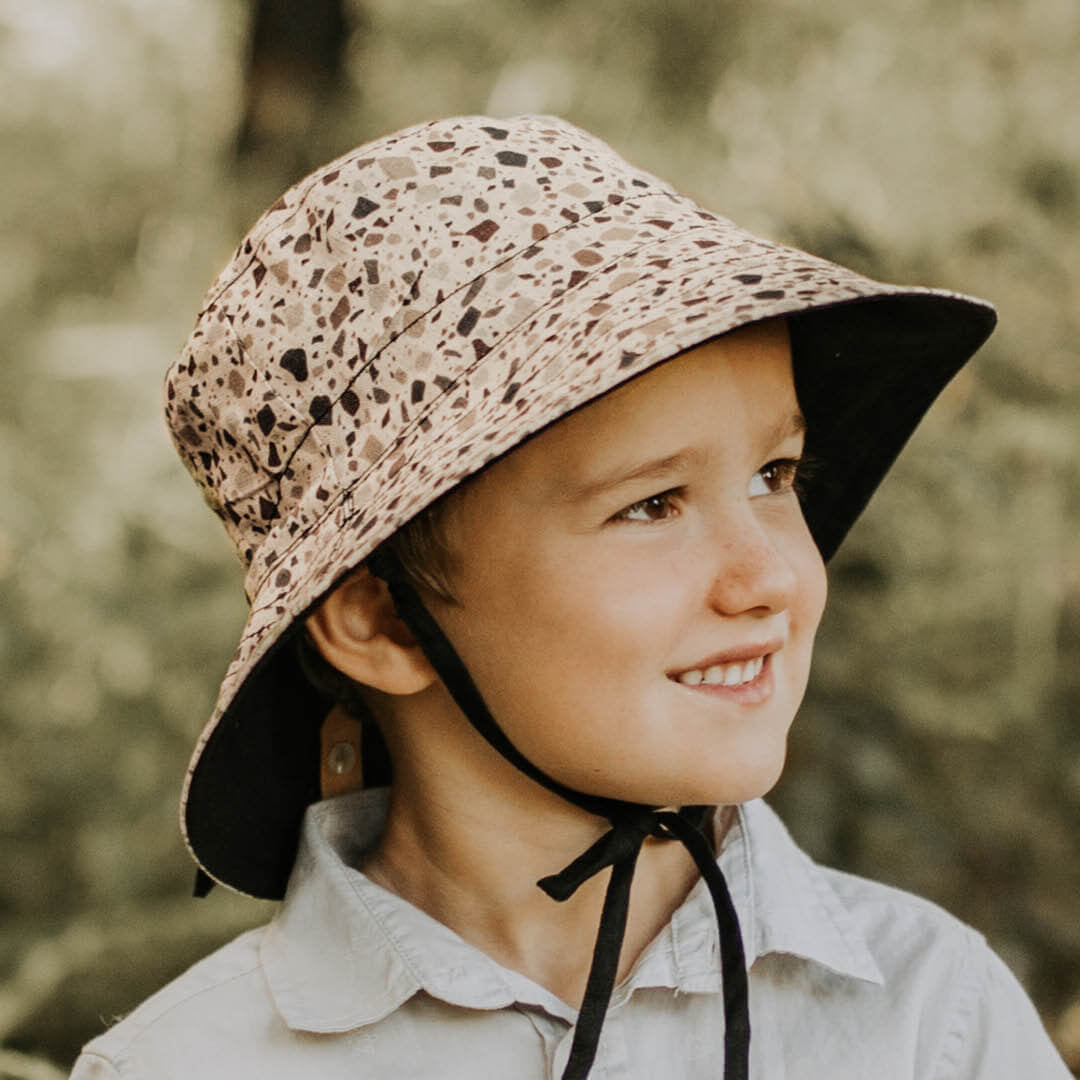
(343, 952)
(786, 902)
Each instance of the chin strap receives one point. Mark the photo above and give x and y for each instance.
(618, 848)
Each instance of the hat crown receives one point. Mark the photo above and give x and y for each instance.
(320, 342)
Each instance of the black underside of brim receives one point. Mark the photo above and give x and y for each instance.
(865, 372)
(256, 775)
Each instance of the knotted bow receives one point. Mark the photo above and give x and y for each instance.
(618, 848)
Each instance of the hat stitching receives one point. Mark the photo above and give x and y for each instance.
(227, 318)
(309, 424)
(558, 129)
(438, 401)
(275, 479)
(308, 184)
(215, 294)
(792, 303)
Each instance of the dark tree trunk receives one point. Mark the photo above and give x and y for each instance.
(295, 71)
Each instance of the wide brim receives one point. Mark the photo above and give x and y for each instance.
(870, 358)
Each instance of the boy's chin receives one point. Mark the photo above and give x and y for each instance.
(727, 790)
(730, 794)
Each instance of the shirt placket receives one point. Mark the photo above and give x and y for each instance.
(612, 1057)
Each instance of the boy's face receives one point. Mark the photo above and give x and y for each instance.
(638, 590)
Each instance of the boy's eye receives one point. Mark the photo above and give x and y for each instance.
(654, 508)
(776, 477)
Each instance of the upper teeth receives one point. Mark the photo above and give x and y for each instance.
(724, 674)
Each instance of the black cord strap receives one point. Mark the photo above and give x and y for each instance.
(618, 848)
(605, 961)
(732, 956)
(446, 662)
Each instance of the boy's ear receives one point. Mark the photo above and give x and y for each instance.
(358, 631)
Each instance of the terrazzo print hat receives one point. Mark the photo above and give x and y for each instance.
(420, 306)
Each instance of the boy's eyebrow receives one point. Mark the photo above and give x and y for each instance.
(625, 474)
(658, 468)
(795, 425)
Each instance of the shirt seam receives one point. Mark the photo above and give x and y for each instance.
(112, 1064)
(963, 1012)
(144, 1028)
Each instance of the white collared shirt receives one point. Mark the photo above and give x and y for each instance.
(848, 979)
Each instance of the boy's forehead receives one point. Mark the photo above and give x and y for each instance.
(661, 418)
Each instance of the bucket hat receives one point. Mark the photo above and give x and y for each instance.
(419, 307)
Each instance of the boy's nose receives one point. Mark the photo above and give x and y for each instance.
(753, 570)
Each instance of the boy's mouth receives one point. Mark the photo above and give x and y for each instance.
(736, 668)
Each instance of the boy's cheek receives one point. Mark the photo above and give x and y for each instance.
(812, 584)
(817, 587)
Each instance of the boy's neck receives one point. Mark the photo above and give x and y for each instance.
(474, 867)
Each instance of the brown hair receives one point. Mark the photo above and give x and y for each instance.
(424, 549)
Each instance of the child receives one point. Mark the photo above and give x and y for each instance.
(533, 465)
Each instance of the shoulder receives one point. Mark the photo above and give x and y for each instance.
(829, 911)
(830, 915)
(966, 1013)
(901, 927)
(893, 977)
(193, 1025)
(984, 1023)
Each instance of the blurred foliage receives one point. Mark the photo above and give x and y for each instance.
(935, 141)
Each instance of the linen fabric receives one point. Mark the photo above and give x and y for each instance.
(848, 979)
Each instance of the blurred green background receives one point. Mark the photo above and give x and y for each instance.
(929, 141)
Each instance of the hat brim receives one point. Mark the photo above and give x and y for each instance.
(913, 343)
(870, 358)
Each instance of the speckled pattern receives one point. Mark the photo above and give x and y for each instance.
(421, 305)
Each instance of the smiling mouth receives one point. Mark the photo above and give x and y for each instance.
(732, 669)
(737, 673)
